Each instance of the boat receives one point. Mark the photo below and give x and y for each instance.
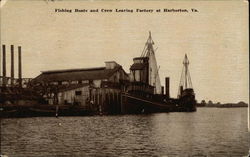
(186, 95)
(145, 93)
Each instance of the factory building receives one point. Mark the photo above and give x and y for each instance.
(94, 88)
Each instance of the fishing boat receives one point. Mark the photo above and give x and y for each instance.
(186, 95)
(145, 93)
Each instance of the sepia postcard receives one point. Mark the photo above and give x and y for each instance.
(124, 78)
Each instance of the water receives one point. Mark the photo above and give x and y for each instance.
(207, 132)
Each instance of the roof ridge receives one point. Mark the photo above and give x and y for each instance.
(72, 70)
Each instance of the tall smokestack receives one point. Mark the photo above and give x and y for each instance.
(4, 65)
(167, 86)
(12, 64)
(20, 66)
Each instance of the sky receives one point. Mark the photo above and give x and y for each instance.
(215, 39)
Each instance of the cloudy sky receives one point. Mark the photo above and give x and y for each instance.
(215, 39)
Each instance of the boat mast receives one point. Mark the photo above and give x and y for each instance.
(148, 48)
(185, 81)
(185, 63)
(153, 70)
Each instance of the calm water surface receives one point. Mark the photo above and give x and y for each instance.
(207, 132)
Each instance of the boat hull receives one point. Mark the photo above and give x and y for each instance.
(186, 101)
(132, 104)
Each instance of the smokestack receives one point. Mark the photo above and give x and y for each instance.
(4, 65)
(20, 66)
(162, 90)
(12, 65)
(181, 90)
(167, 86)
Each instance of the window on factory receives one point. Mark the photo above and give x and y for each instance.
(54, 83)
(65, 82)
(85, 81)
(78, 92)
(74, 82)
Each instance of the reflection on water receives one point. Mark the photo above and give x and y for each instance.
(207, 132)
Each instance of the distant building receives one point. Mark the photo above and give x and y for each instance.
(86, 87)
